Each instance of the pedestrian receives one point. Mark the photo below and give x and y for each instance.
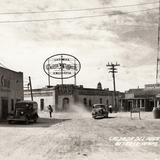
(50, 110)
(110, 108)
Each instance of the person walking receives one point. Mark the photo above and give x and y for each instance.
(50, 110)
(110, 108)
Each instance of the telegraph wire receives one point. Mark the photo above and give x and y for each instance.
(74, 18)
(74, 10)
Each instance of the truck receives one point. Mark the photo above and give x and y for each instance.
(26, 111)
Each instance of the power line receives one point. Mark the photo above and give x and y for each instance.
(73, 18)
(74, 10)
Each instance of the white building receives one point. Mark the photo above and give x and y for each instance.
(43, 96)
(11, 90)
(62, 97)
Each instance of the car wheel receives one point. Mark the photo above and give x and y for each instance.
(35, 120)
(27, 121)
(106, 116)
(9, 122)
(94, 117)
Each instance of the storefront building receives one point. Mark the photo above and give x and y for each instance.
(11, 90)
(144, 98)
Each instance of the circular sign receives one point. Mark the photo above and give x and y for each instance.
(61, 66)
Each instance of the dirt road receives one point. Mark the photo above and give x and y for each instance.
(76, 136)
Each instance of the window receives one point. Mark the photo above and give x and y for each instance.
(107, 102)
(17, 100)
(41, 104)
(100, 100)
(12, 104)
(90, 102)
(85, 101)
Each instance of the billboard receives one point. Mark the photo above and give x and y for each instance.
(61, 66)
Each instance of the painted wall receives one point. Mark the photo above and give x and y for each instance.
(48, 96)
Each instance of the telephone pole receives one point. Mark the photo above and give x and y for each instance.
(158, 47)
(30, 84)
(112, 69)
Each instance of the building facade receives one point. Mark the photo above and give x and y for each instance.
(43, 96)
(144, 98)
(64, 97)
(11, 90)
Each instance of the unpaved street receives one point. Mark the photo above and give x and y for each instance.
(78, 136)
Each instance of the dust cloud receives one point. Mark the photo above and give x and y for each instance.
(79, 110)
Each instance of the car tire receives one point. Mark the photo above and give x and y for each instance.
(94, 117)
(106, 116)
(35, 120)
(27, 121)
(9, 122)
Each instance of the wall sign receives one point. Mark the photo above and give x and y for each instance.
(61, 66)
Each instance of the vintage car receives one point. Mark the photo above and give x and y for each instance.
(26, 111)
(100, 111)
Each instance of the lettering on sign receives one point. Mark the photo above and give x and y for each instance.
(62, 66)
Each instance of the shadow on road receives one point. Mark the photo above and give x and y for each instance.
(41, 122)
(99, 118)
(111, 117)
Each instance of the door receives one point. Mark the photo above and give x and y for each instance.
(66, 104)
(42, 104)
(4, 103)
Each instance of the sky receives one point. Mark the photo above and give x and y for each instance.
(121, 35)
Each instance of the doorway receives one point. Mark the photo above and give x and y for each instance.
(65, 104)
(41, 104)
(4, 102)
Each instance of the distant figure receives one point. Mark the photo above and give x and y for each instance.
(110, 108)
(50, 109)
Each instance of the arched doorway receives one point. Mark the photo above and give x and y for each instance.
(65, 104)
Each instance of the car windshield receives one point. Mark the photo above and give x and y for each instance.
(99, 106)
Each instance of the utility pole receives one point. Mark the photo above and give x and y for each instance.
(113, 70)
(62, 69)
(75, 79)
(158, 46)
(30, 84)
(49, 81)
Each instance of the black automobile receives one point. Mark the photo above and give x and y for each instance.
(26, 111)
(100, 111)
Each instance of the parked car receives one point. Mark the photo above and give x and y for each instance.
(26, 111)
(100, 111)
